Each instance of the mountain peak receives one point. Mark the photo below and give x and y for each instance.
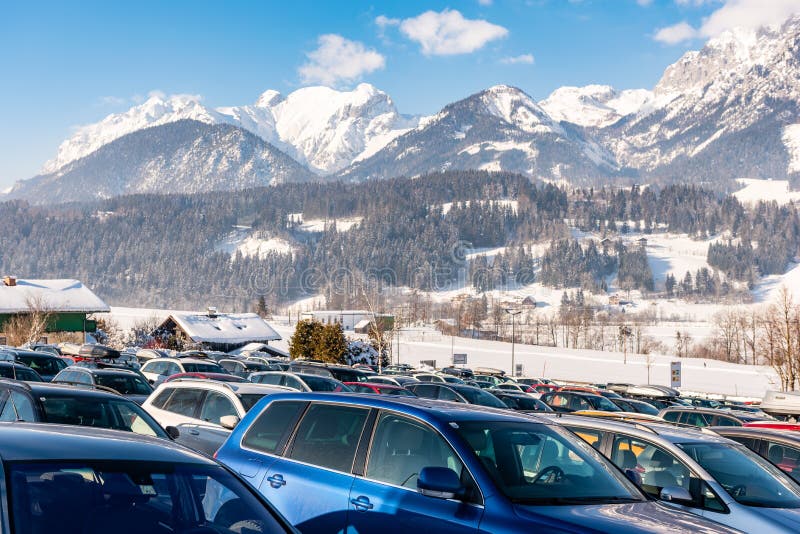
(269, 98)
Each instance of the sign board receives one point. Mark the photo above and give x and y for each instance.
(459, 359)
(518, 369)
(675, 374)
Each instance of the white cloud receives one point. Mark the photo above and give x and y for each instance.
(526, 59)
(449, 33)
(676, 33)
(733, 14)
(382, 21)
(337, 59)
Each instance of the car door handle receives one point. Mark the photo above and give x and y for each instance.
(362, 503)
(276, 481)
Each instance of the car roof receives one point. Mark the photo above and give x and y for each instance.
(236, 387)
(5, 363)
(32, 441)
(666, 432)
(442, 411)
(104, 370)
(52, 388)
(758, 432)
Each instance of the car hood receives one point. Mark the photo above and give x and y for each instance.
(784, 518)
(629, 517)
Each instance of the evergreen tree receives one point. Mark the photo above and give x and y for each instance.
(303, 343)
(331, 345)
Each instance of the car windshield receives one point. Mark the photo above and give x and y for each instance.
(540, 464)
(250, 399)
(124, 384)
(643, 407)
(118, 414)
(320, 383)
(527, 403)
(746, 476)
(203, 368)
(99, 497)
(602, 403)
(478, 396)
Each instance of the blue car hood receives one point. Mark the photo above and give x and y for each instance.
(629, 517)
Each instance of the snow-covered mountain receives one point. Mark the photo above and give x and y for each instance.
(594, 105)
(186, 156)
(500, 129)
(320, 127)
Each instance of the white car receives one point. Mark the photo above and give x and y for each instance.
(159, 369)
(204, 411)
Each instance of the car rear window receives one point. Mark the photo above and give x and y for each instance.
(124, 384)
(203, 368)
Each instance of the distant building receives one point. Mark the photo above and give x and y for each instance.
(68, 302)
(642, 242)
(529, 301)
(217, 331)
(351, 320)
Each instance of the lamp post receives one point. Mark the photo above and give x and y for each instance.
(513, 313)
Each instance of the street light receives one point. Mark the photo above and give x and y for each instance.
(513, 313)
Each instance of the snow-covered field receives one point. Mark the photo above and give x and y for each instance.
(245, 242)
(770, 190)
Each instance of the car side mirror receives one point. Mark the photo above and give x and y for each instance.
(439, 482)
(675, 494)
(229, 421)
(173, 432)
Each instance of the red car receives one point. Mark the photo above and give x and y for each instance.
(379, 389)
(207, 376)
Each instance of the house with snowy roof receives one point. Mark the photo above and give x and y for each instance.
(217, 331)
(68, 303)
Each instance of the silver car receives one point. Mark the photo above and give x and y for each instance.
(699, 472)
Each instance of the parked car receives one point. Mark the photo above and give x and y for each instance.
(379, 389)
(521, 402)
(72, 480)
(125, 382)
(780, 448)
(298, 381)
(634, 405)
(428, 377)
(457, 393)
(45, 364)
(204, 411)
(375, 463)
(571, 401)
(18, 371)
(242, 368)
(72, 405)
(158, 369)
(341, 373)
(396, 380)
(460, 372)
(702, 417)
(698, 472)
(450, 379)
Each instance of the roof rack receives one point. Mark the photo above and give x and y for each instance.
(203, 381)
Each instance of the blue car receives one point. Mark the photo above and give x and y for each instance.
(368, 463)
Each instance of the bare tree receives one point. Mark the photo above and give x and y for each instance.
(28, 327)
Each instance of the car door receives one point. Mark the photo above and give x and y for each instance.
(310, 484)
(387, 492)
(208, 435)
(181, 411)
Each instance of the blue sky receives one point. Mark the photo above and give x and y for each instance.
(64, 64)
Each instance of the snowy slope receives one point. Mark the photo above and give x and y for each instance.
(594, 105)
(755, 191)
(321, 127)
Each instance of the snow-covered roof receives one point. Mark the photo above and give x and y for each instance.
(225, 327)
(54, 295)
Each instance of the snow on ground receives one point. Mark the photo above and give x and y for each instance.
(769, 190)
(318, 225)
(791, 140)
(703, 376)
(249, 244)
(769, 288)
(513, 204)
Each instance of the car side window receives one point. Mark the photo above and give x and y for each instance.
(216, 406)
(161, 398)
(425, 390)
(721, 420)
(172, 369)
(328, 436)
(694, 419)
(82, 378)
(578, 403)
(660, 469)
(785, 457)
(184, 401)
(447, 394)
(592, 437)
(228, 366)
(273, 427)
(672, 417)
(18, 407)
(402, 447)
(293, 382)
